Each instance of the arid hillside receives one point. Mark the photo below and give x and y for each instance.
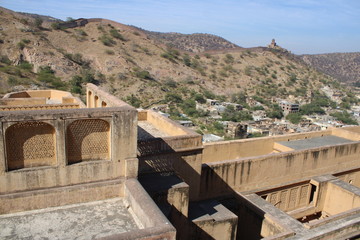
(345, 67)
(136, 66)
(196, 43)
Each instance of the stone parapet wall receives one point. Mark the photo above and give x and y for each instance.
(27, 164)
(155, 224)
(251, 173)
(229, 150)
(54, 197)
(40, 97)
(98, 98)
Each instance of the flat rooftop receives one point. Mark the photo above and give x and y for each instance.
(315, 142)
(146, 130)
(78, 221)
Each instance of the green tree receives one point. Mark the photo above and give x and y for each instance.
(187, 60)
(236, 116)
(38, 23)
(275, 112)
(311, 108)
(133, 101)
(173, 98)
(345, 117)
(294, 118)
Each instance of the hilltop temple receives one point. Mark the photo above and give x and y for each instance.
(105, 170)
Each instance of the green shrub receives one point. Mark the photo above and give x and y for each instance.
(187, 60)
(26, 66)
(38, 22)
(139, 73)
(207, 55)
(294, 118)
(274, 111)
(77, 58)
(107, 41)
(47, 76)
(109, 52)
(173, 98)
(5, 59)
(12, 81)
(56, 26)
(208, 94)
(199, 98)
(344, 117)
(133, 101)
(24, 21)
(311, 108)
(171, 83)
(81, 32)
(101, 28)
(236, 116)
(171, 54)
(229, 59)
(115, 33)
(247, 71)
(21, 45)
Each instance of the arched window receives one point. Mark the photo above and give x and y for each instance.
(96, 101)
(30, 144)
(89, 99)
(87, 140)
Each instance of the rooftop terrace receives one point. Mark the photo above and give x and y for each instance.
(79, 221)
(315, 142)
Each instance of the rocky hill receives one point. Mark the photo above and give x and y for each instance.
(343, 66)
(196, 43)
(133, 65)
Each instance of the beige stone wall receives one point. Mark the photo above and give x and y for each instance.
(48, 94)
(97, 98)
(341, 197)
(53, 197)
(155, 224)
(119, 160)
(22, 101)
(228, 150)
(352, 133)
(265, 171)
(352, 177)
(39, 97)
(166, 125)
(259, 219)
(225, 229)
(142, 115)
(290, 197)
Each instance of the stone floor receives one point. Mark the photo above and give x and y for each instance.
(78, 221)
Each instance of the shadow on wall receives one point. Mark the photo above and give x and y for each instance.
(163, 159)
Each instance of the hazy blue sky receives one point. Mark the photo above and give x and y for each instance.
(301, 26)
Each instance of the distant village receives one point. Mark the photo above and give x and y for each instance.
(262, 125)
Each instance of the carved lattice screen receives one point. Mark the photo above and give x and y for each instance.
(30, 144)
(87, 140)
